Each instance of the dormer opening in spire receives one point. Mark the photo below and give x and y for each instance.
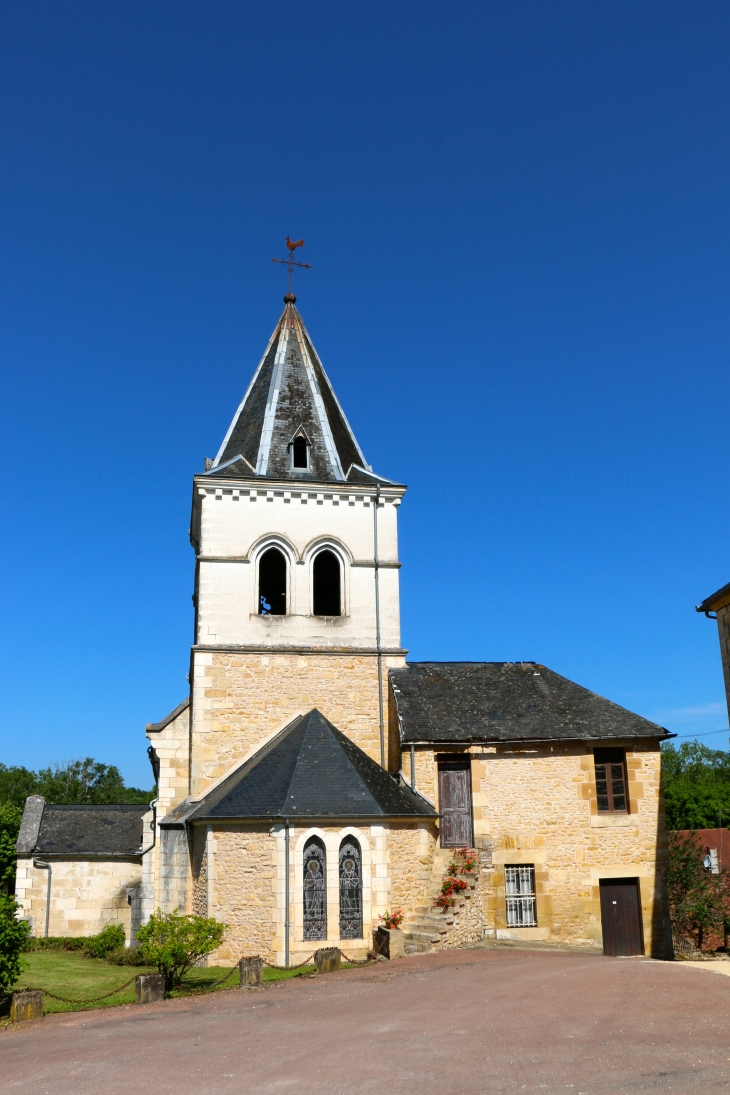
(299, 447)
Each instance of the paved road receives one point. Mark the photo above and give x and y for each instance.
(461, 1022)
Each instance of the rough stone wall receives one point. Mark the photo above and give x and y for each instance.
(244, 892)
(240, 700)
(538, 807)
(86, 895)
(200, 885)
(173, 867)
(410, 860)
(172, 746)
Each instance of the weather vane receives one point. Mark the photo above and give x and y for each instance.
(291, 264)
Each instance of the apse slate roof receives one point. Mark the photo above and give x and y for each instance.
(290, 392)
(310, 769)
(90, 830)
(505, 702)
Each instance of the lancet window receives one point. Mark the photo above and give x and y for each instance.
(315, 890)
(326, 580)
(272, 583)
(350, 889)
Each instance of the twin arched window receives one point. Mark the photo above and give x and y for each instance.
(326, 581)
(315, 889)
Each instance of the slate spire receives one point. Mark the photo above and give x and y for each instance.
(290, 397)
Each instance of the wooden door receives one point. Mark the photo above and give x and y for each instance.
(621, 916)
(455, 803)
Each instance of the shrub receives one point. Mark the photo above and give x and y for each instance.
(57, 943)
(172, 943)
(127, 956)
(109, 939)
(13, 936)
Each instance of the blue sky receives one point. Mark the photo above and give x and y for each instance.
(519, 232)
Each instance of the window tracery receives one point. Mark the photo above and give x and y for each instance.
(350, 889)
(315, 890)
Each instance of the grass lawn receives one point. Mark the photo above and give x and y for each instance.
(68, 973)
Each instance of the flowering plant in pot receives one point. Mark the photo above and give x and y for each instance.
(392, 920)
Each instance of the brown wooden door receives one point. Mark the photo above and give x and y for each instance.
(621, 917)
(455, 804)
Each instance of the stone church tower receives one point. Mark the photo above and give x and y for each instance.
(296, 591)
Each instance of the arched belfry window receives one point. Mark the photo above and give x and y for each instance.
(272, 583)
(315, 890)
(350, 889)
(326, 581)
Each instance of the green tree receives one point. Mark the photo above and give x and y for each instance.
(13, 939)
(696, 783)
(699, 901)
(16, 784)
(10, 816)
(172, 943)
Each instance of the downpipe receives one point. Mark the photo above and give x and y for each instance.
(377, 627)
(286, 891)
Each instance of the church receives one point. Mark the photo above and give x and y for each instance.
(315, 780)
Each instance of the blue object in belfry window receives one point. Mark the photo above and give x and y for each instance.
(265, 607)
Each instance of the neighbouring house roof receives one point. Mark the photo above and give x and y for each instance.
(291, 393)
(716, 600)
(310, 770)
(505, 702)
(77, 831)
(155, 727)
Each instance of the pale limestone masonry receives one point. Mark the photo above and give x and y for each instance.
(242, 700)
(537, 805)
(86, 895)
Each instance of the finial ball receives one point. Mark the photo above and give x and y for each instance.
(290, 299)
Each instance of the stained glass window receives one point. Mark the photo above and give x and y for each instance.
(350, 889)
(315, 890)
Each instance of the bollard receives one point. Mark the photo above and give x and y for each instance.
(251, 971)
(327, 959)
(149, 987)
(389, 942)
(26, 1005)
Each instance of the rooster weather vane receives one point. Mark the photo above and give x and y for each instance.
(292, 245)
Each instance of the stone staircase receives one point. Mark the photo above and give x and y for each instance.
(428, 927)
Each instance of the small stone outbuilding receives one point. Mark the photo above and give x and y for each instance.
(88, 858)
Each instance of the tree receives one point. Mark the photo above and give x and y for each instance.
(10, 816)
(80, 783)
(696, 783)
(699, 902)
(13, 938)
(172, 943)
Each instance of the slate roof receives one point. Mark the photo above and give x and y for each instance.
(715, 600)
(505, 702)
(90, 830)
(310, 770)
(290, 391)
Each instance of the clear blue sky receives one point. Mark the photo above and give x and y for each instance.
(518, 223)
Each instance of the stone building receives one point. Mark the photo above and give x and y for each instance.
(87, 860)
(717, 607)
(313, 779)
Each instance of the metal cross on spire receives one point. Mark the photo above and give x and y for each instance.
(290, 298)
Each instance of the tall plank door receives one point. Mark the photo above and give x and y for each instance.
(455, 802)
(621, 917)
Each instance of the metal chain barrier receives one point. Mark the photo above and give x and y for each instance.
(87, 1000)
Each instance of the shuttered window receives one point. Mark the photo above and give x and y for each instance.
(611, 781)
